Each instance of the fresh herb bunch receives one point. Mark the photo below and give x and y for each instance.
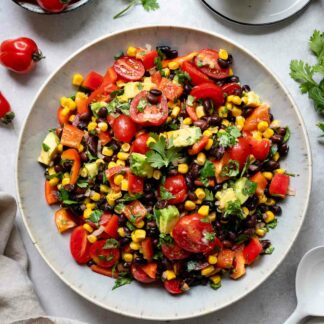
(148, 5)
(305, 73)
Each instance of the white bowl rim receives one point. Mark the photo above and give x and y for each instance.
(309, 182)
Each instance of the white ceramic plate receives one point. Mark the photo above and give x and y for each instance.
(136, 300)
(256, 12)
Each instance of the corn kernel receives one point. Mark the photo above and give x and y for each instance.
(268, 133)
(189, 205)
(280, 171)
(263, 126)
(128, 257)
(212, 259)
(131, 51)
(260, 232)
(270, 202)
(111, 202)
(54, 181)
(134, 246)
(168, 275)
(71, 118)
(209, 144)
(92, 238)
(230, 72)
(198, 202)
(166, 72)
(120, 162)
(68, 103)
(200, 193)
(60, 148)
(183, 168)
(156, 174)
(236, 100)
(257, 135)
(216, 279)
(201, 158)
(107, 151)
(187, 121)
(229, 98)
(77, 79)
(81, 95)
(100, 161)
(245, 100)
(140, 224)
(245, 211)
(223, 54)
(92, 126)
(207, 133)
(122, 156)
(65, 111)
(88, 228)
(207, 271)
(111, 165)
(95, 196)
(118, 179)
(236, 112)
(125, 147)
(87, 213)
(267, 175)
(121, 232)
(93, 118)
(175, 111)
(90, 205)
(225, 122)
(276, 156)
(173, 65)
(239, 122)
(81, 148)
(200, 112)
(203, 210)
(124, 185)
(84, 173)
(51, 171)
(138, 235)
(65, 181)
(262, 199)
(229, 106)
(222, 111)
(212, 217)
(103, 126)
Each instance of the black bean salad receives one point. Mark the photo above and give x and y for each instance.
(166, 169)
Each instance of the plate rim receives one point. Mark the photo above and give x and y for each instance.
(218, 13)
(205, 311)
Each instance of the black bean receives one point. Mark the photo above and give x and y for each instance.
(238, 92)
(163, 48)
(283, 149)
(90, 263)
(263, 208)
(69, 187)
(192, 196)
(107, 207)
(277, 139)
(214, 120)
(249, 231)
(139, 260)
(253, 168)
(122, 219)
(271, 117)
(251, 221)
(92, 144)
(148, 196)
(80, 191)
(234, 78)
(187, 88)
(223, 64)
(152, 99)
(220, 83)
(76, 210)
(172, 172)
(252, 202)
(172, 54)
(148, 187)
(281, 131)
(202, 124)
(271, 165)
(227, 244)
(124, 241)
(231, 236)
(246, 88)
(194, 170)
(85, 117)
(161, 204)
(58, 168)
(156, 92)
(230, 58)
(189, 182)
(217, 187)
(103, 112)
(220, 153)
(127, 265)
(276, 210)
(167, 51)
(247, 112)
(66, 165)
(265, 244)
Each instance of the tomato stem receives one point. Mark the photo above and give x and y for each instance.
(37, 56)
(131, 5)
(8, 118)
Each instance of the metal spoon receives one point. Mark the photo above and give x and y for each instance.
(309, 286)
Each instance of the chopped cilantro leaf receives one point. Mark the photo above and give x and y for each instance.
(111, 244)
(234, 208)
(46, 148)
(232, 169)
(164, 194)
(142, 105)
(95, 216)
(269, 250)
(208, 170)
(228, 138)
(215, 286)
(119, 55)
(249, 188)
(122, 281)
(209, 236)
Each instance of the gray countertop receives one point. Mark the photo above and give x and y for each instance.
(59, 36)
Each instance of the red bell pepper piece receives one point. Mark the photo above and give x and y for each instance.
(64, 220)
(50, 194)
(260, 113)
(191, 111)
(209, 90)
(135, 208)
(71, 136)
(62, 119)
(135, 184)
(199, 146)
(93, 80)
(82, 104)
(261, 182)
(252, 250)
(110, 173)
(111, 226)
(104, 138)
(73, 155)
(150, 269)
(147, 247)
(225, 259)
(105, 272)
(239, 264)
(149, 59)
(219, 165)
(156, 78)
(279, 185)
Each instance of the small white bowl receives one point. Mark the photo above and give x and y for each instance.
(135, 300)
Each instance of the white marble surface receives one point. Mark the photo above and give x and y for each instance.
(60, 36)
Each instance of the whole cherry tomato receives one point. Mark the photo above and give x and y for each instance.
(54, 6)
(124, 128)
(6, 115)
(177, 186)
(139, 145)
(19, 55)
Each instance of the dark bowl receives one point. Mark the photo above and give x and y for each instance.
(33, 7)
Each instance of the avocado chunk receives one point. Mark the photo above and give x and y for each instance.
(184, 136)
(49, 148)
(139, 166)
(167, 218)
(241, 194)
(225, 196)
(253, 100)
(92, 169)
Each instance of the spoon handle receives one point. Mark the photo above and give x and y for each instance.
(295, 317)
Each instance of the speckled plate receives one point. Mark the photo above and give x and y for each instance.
(135, 300)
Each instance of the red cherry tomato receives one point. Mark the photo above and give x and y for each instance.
(6, 115)
(54, 6)
(79, 245)
(230, 88)
(139, 145)
(252, 250)
(171, 90)
(279, 185)
(124, 128)
(135, 184)
(197, 77)
(135, 208)
(174, 252)
(19, 55)
(147, 114)
(194, 235)
(260, 148)
(173, 286)
(177, 186)
(208, 90)
(140, 275)
(103, 257)
(207, 62)
(129, 68)
(240, 151)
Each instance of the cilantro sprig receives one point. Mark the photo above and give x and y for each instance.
(228, 138)
(208, 170)
(148, 5)
(306, 74)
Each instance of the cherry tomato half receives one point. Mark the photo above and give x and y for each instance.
(54, 6)
(139, 144)
(145, 114)
(139, 274)
(124, 128)
(260, 148)
(173, 286)
(177, 186)
(171, 90)
(129, 68)
(231, 88)
(209, 90)
(79, 245)
(194, 235)
(197, 77)
(174, 252)
(104, 258)
(207, 62)
(240, 151)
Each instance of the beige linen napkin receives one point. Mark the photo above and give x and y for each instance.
(18, 301)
